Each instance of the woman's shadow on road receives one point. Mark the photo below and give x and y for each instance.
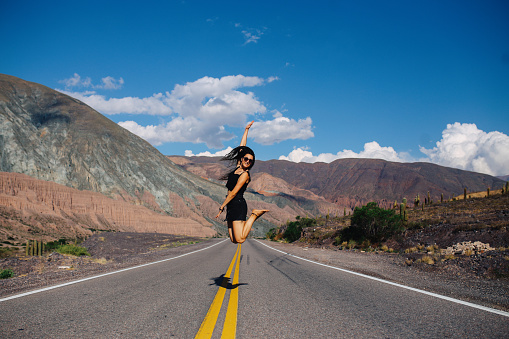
(225, 282)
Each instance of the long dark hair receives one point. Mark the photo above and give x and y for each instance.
(235, 156)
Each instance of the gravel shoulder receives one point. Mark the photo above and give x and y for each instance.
(114, 251)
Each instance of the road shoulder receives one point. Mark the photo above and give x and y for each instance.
(392, 267)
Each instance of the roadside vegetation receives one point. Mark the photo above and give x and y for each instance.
(6, 273)
(429, 234)
(368, 224)
(72, 250)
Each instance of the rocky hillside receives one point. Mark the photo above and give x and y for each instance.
(353, 182)
(50, 136)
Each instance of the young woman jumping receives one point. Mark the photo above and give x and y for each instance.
(237, 181)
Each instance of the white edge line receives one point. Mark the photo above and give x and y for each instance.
(466, 303)
(104, 274)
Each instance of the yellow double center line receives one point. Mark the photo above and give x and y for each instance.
(230, 322)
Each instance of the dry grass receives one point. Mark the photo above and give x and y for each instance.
(432, 249)
(174, 244)
(102, 261)
(448, 257)
(482, 194)
(427, 260)
(468, 252)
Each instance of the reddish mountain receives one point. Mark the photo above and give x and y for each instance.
(354, 182)
(44, 210)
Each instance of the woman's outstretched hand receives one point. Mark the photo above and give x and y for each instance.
(220, 211)
(249, 124)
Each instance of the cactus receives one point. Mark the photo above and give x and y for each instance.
(488, 191)
(441, 198)
(417, 200)
(465, 193)
(27, 250)
(429, 199)
(507, 186)
(402, 209)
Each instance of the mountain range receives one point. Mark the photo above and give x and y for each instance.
(349, 183)
(51, 137)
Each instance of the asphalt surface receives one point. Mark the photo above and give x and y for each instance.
(279, 296)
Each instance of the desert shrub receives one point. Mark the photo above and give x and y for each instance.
(72, 250)
(6, 273)
(352, 244)
(5, 252)
(271, 234)
(373, 223)
(293, 229)
(53, 245)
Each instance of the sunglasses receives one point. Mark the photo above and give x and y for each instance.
(248, 160)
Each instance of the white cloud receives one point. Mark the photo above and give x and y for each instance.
(76, 81)
(217, 100)
(251, 34)
(371, 150)
(106, 82)
(466, 147)
(189, 153)
(199, 111)
(180, 129)
(132, 105)
(111, 83)
(281, 128)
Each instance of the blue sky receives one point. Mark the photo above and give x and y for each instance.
(398, 80)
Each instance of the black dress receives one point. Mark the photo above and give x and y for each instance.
(236, 209)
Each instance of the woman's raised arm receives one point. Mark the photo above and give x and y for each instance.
(243, 142)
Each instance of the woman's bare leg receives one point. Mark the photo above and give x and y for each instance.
(236, 231)
(249, 223)
(240, 229)
(230, 232)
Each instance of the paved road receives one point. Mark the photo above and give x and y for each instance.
(270, 295)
